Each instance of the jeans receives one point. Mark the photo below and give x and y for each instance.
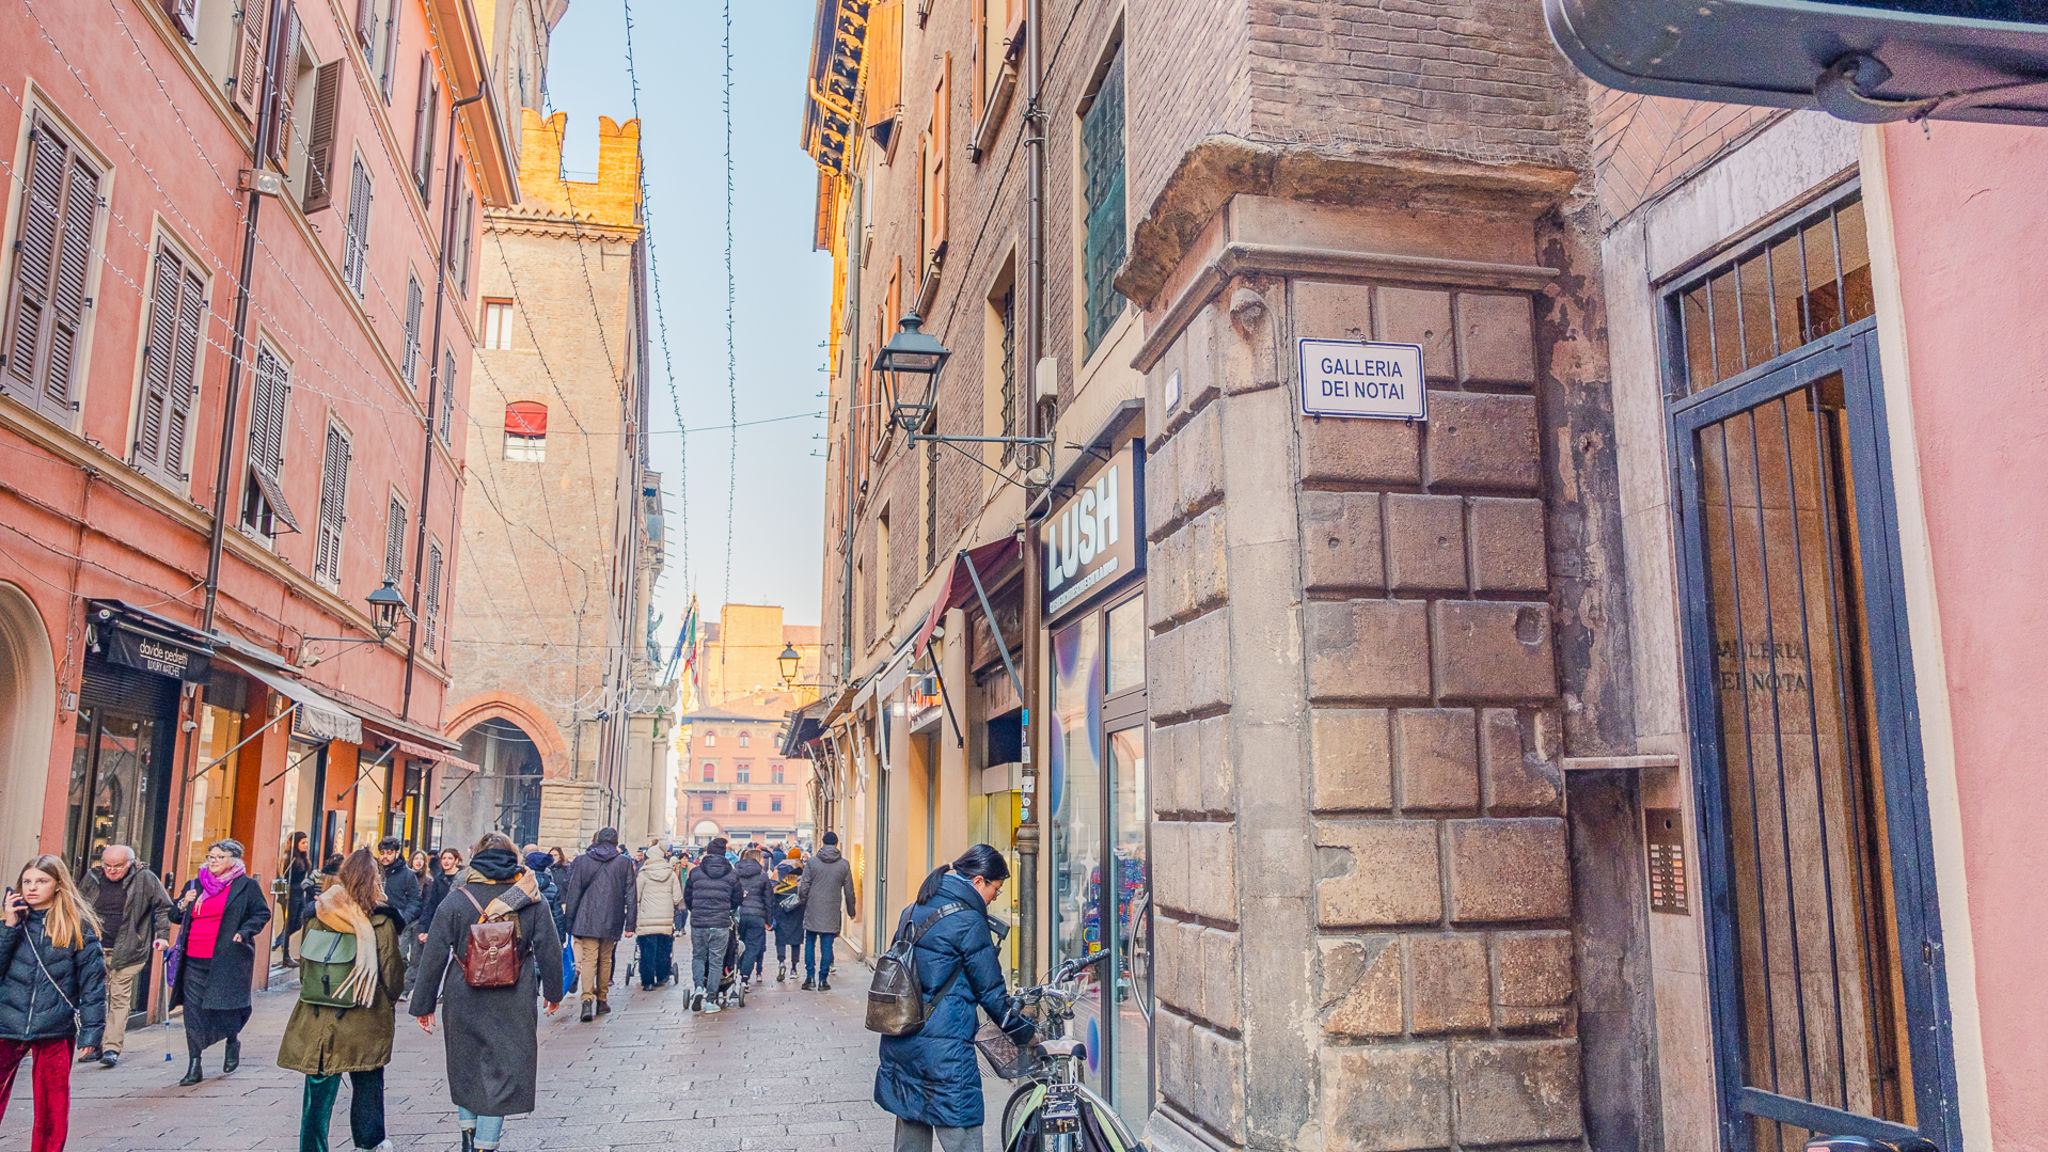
(365, 1109)
(707, 956)
(409, 945)
(594, 966)
(52, 1079)
(914, 1137)
(814, 943)
(120, 1001)
(657, 958)
(489, 1129)
(754, 945)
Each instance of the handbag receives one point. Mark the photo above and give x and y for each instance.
(492, 958)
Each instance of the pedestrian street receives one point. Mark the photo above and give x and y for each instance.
(791, 1070)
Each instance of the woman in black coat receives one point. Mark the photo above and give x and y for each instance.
(223, 910)
(298, 865)
(929, 1079)
(493, 1040)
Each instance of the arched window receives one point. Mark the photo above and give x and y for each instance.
(710, 770)
(745, 740)
(526, 431)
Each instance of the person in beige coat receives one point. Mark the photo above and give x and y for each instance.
(660, 889)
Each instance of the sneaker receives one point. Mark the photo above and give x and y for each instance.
(809, 986)
(712, 1006)
(697, 1000)
(824, 985)
(781, 973)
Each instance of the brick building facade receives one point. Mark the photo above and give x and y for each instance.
(557, 695)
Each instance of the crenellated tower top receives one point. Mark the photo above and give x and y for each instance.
(612, 200)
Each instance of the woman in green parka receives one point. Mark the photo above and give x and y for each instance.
(324, 1041)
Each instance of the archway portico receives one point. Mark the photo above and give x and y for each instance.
(28, 709)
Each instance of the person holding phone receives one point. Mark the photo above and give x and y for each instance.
(223, 910)
(53, 991)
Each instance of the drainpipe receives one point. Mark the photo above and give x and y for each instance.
(434, 385)
(1034, 318)
(238, 345)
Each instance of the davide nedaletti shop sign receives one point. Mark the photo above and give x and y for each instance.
(1095, 538)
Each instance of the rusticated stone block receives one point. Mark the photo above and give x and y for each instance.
(1425, 542)
(1495, 341)
(1377, 873)
(1493, 651)
(1516, 1091)
(1172, 1046)
(1199, 468)
(1222, 986)
(1448, 984)
(1219, 1082)
(1360, 452)
(1514, 776)
(1165, 674)
(1212, 871)
(1332, 311)
(1176, 979)
(1386, 1098)
(1506, 544)
(1171, 762)
(1167, 595)
(1439, 757)
(1208, 573)
(1218, 767)
(1535, 979)
(1420, 316)
(1362, 987)
(1509, 870)
(1367, 649)
(1340, 541)
(1162, 487)
(1206, 659)
(1352, 757)
(1170, 864)
(1477, 440)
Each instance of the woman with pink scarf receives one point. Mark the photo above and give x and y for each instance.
(223, 911)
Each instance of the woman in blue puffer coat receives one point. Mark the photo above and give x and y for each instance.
(929, 1080)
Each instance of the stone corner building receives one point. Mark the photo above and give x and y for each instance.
(1373, 643)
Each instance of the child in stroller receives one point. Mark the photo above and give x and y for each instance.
(732, 991)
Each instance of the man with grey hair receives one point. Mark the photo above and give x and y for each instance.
(134, 922)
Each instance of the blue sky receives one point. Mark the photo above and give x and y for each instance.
(783, 290)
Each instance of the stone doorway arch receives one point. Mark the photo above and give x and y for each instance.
(28, 715)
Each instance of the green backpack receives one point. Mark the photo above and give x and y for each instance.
(326, 958)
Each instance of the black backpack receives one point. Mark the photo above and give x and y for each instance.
(896, 1003)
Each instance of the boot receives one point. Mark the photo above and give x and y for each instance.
(469, 1140)
(234, 1056)
(193, 1074)
(604, 1007)
(809, 985)
(589, 1011)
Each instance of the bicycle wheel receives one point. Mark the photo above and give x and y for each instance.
(1017, 1112)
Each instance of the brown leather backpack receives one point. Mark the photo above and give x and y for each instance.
(494, 954)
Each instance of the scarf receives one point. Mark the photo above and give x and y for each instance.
(213, 885)
(496, 866)
(337, 911)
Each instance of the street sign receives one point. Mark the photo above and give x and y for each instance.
(1867, 61)
(1353, 378)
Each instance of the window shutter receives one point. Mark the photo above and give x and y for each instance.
(424, 115)
(184, 374)
(67, 296)
(468, 236)
(284, 65)
(35, 254)
(266, 440)
(389, 71)
(53, 250)
(978, 64)
(885, 74)
(320, 142)
(394, 541)
(366, 22)
(415, 300)
(333, 506)
(447, 398)
(454, 251)
(248, 86)
(433, 592)
(157, 350)
(942, 143)
(356, 236)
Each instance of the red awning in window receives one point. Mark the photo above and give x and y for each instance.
(526, 418)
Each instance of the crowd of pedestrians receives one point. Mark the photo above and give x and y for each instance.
(476, 947)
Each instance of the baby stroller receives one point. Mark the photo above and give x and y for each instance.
(732, 992)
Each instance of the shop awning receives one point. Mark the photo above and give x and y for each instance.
(971, 566)
(317, 716)
(429, 744)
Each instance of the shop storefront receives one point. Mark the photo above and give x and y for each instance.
(1097, 805)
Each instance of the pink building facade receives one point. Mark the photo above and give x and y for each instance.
(157, 689)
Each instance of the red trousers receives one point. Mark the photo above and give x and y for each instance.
(52, 1083)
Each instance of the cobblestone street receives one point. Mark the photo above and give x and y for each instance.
(791, 1070)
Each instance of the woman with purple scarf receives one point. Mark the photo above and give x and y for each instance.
(223, 911)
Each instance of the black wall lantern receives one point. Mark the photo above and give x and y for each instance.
(909, 365)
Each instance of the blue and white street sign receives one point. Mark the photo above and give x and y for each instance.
(1353, 378)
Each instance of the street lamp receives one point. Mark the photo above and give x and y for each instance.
(387, 608)
(789, 661)
(909, 364)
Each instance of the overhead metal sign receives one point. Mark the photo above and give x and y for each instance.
(1867, 61)
(1360, 379)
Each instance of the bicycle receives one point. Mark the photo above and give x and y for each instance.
(1053, 1111)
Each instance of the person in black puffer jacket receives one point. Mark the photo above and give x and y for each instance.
(541, 864)
(757, 908)
(929, 1079)
(53, 990)
(712, 894)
